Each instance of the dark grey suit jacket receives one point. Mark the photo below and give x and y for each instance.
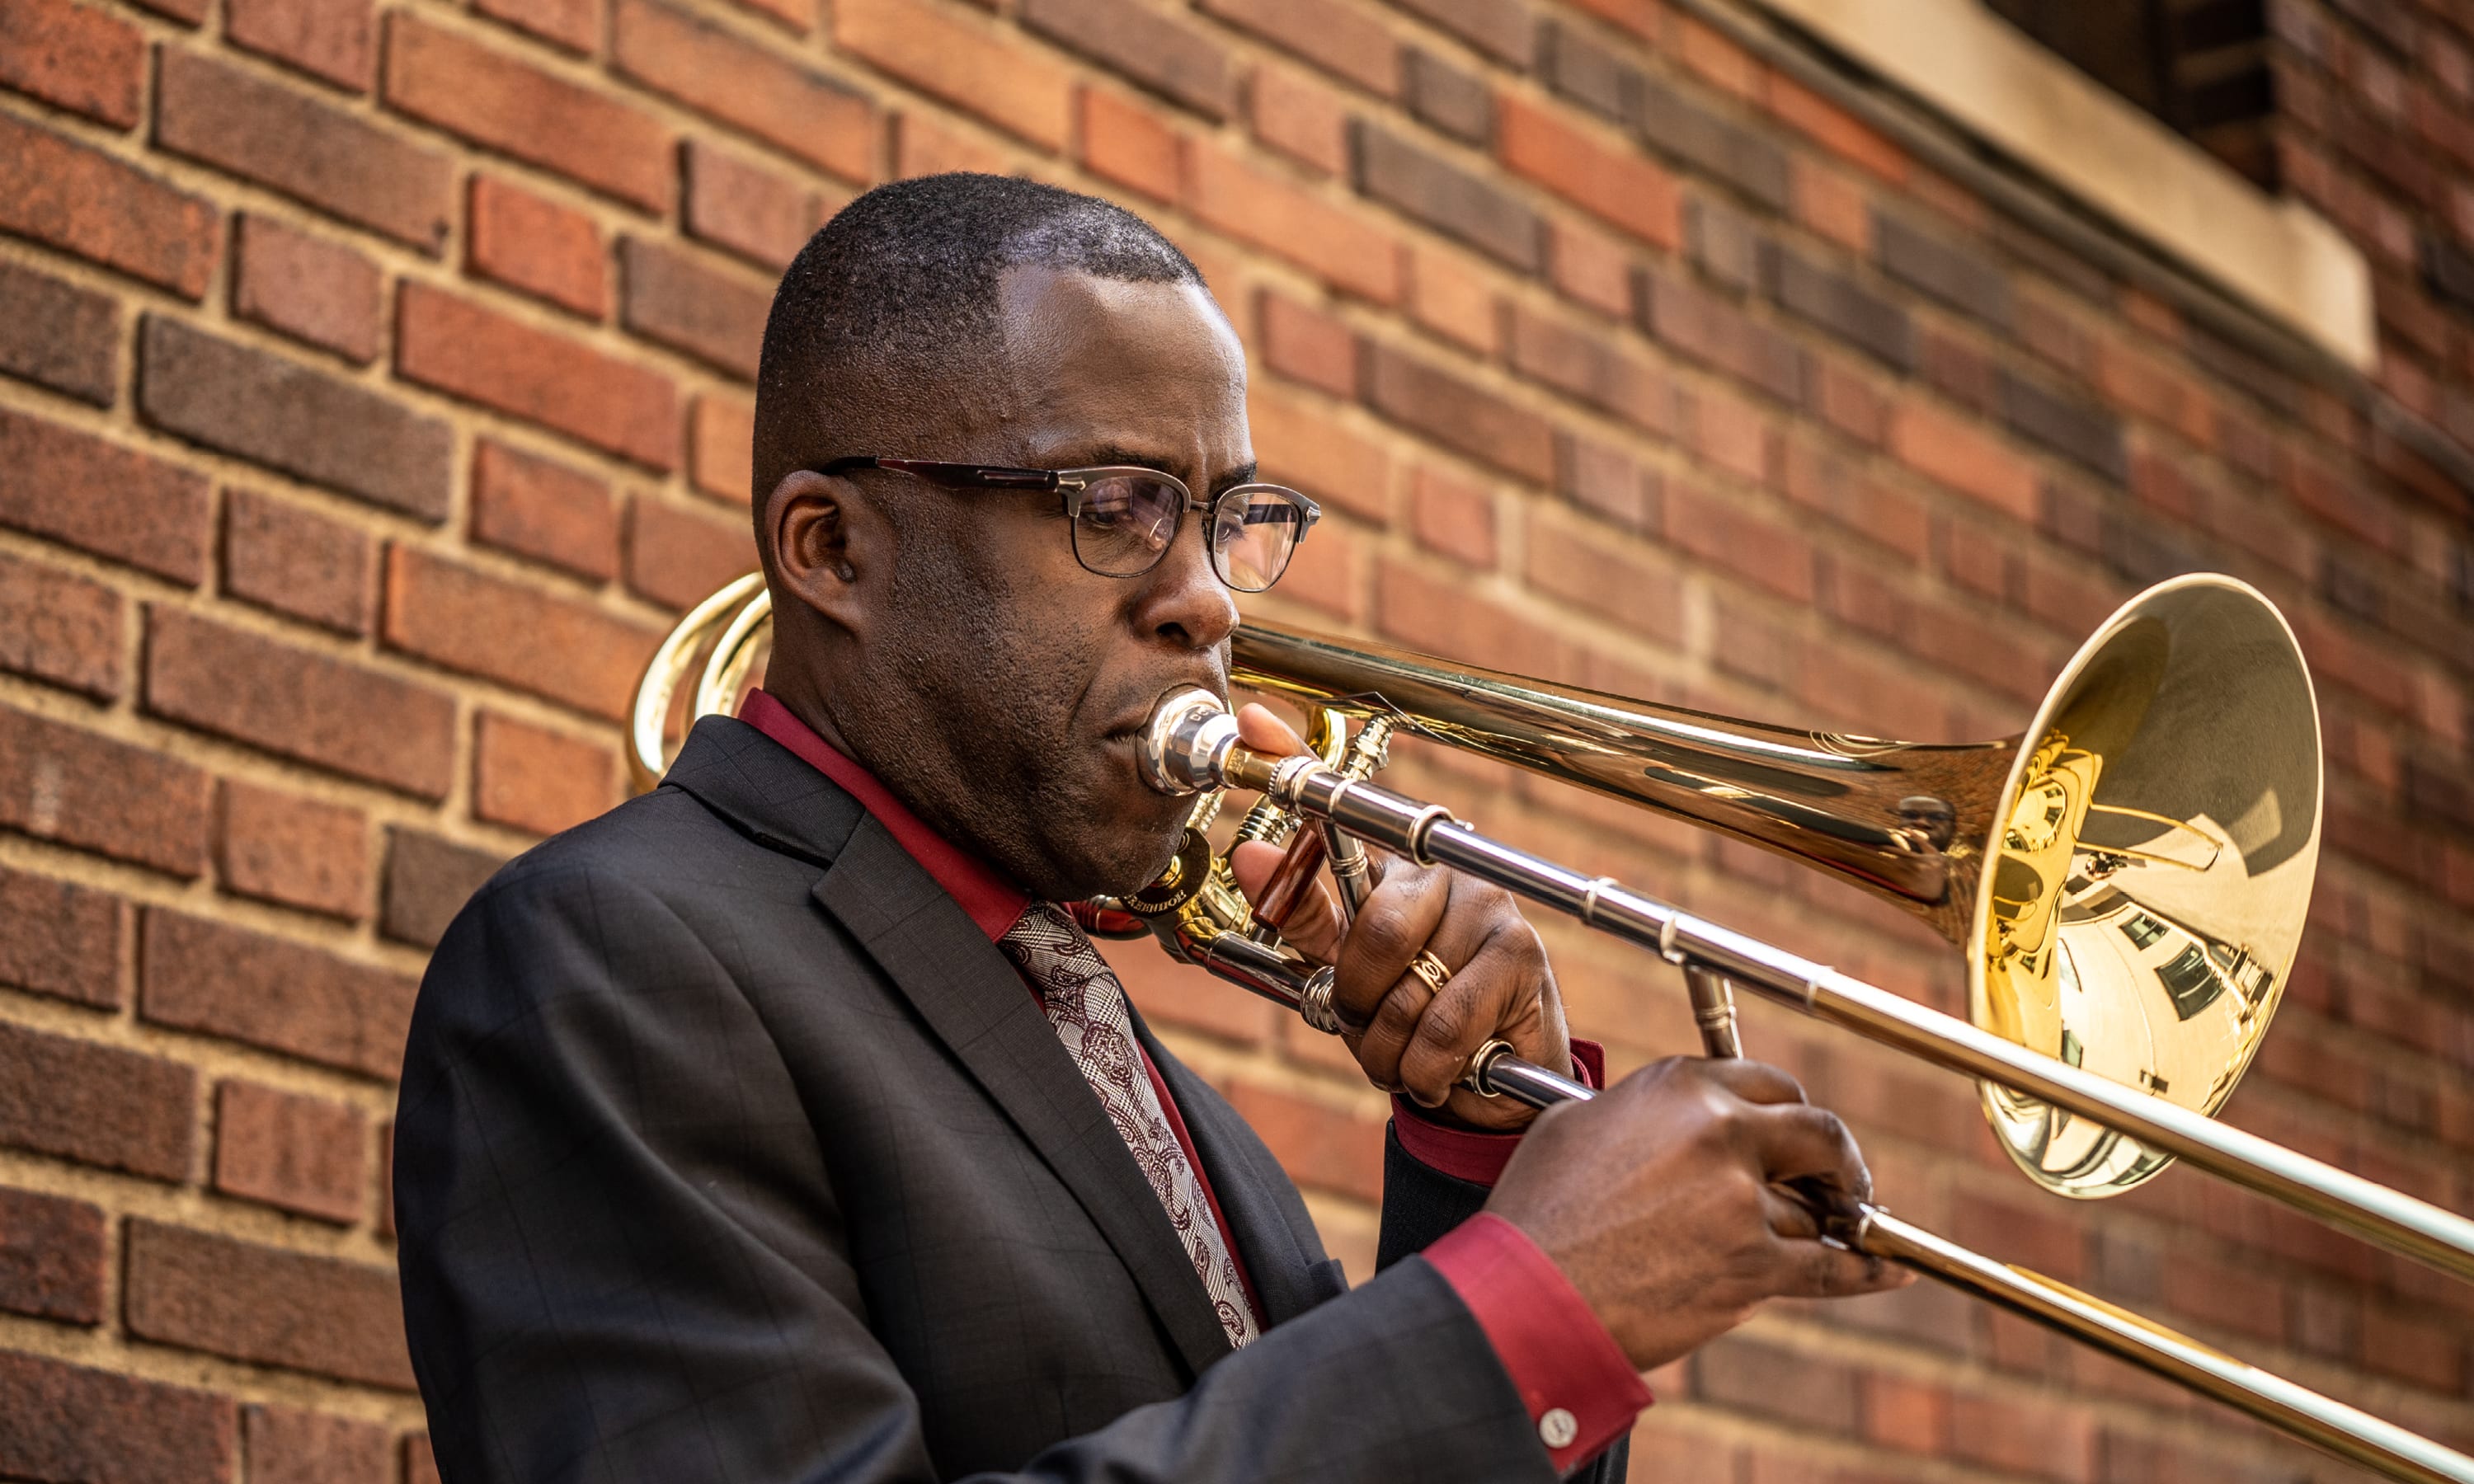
(731, 1150)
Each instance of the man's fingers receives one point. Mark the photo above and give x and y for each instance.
(1263, 731)
(1754, 1082)
(1819, 1269)
(1795, 1141)
(1789, 1217)
(1312, 926)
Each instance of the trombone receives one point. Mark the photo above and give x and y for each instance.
(2127, 879)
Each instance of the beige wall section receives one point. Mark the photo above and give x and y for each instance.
(1964, 60)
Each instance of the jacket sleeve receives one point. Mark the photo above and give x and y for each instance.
(622, 1256)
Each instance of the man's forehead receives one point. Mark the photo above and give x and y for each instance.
(1101, 363)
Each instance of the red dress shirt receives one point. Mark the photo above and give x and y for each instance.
(1581, 1392)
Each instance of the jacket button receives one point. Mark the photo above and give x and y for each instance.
(1557, 1428)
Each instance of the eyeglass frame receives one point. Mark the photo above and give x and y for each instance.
(1071, 484)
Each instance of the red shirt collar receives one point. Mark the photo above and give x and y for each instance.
(990, 900)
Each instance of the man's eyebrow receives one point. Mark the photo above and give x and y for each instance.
(1243, 474)
(1116, 453)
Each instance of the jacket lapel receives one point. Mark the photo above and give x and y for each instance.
(973, 1000)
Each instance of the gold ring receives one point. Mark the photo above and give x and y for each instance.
(1425, 965)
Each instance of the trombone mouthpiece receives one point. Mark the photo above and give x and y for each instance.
(1188, 741)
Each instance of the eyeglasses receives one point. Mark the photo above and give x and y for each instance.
(1125, 516)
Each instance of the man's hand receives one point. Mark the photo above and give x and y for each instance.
(1408, 1037)
(1660, 1200)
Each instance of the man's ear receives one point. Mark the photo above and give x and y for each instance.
(824, 542)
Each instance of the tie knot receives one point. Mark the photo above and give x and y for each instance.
(1047, 929)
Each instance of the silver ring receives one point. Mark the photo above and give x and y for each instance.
(1314, 1003)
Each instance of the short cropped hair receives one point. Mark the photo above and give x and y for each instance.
(894, 302)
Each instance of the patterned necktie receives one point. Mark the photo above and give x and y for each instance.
(1087, 1006)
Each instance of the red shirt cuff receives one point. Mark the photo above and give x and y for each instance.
(1582, 1393)
(1465, 1154)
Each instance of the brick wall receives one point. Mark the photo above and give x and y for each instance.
(373, 389)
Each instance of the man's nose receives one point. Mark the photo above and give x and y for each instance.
(1184, 600)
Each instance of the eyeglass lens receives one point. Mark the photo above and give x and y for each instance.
(1128, 520)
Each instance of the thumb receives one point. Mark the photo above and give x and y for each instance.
(1264, 732)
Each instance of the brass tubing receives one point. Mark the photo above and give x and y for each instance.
(2323, 1422)
(2389, 1218)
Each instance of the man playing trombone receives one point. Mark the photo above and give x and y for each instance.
(782, 1125)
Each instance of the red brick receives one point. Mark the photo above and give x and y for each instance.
(299, 704)
(1298, 116)
(63, 337)
(1832, 205)
(1856, 501)
(292, 417)
(573, 24)
(457, 617)
(315, 291)
(1641, 17)
(1124, 142)
(82, 790)
(672, 298)
(800, 16)
(462, 349)
(1452, 517)
(1613, 580)
(287, 141)
(291, 559)
(533, 244)
(2424, 1350)
(2025, 1436)
(280, 847)
(1322, 1148)
(1590, 267)
(1722, 531)
(1834, 128)
(1341, 40)
(74, 57)
(537, 779)
(116, 503)
(65, 939)
(1613, 181)
(1306, 345)
(239, 1300)
(96, 1104)
(970, 67)
(1329, 574)
(494, 100)
(1440, 619)
(677, 556)
(738, 204)
(420, 1463)
(1962, 459)
(71, 198)
(1301, 443)
(72, 1423)
(334, 40)
(1460, 416)
(1587, 363)
(1909, 1415)
(287, 997)
(60, 628)
(428, 879)
(51, 1259)
(710, 69)
(1320, 236)
(922, 146)
(721, 448)
(1606, 482)
(299, 1154)
(1146, 47)
(1454, 301)
(287, 1447)
(540, 509)
(1794, 1387)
